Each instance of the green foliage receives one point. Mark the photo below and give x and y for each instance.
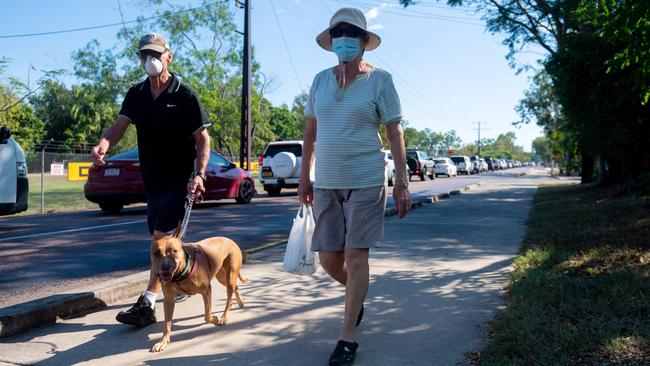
(285, 124)
(26, 129)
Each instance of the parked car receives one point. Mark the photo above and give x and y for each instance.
(280, 166)
(119, 182)
(475, 164)
(390, 167)
(492, 163)
(483, 165)
(444, 166)
(14, 185)
(420, 164)
(463, 163)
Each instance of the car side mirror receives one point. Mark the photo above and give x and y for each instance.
(5, 134)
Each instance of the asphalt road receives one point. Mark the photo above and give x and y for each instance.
(44, 255)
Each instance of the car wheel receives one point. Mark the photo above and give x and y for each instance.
(273, 191)
(423, 174)
(283, 164)
(391, 179)
(111, 207)
(246, 192)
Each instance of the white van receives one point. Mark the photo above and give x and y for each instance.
(14, 185)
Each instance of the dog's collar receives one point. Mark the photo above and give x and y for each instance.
(188, 270)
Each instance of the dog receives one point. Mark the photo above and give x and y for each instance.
(189, 268)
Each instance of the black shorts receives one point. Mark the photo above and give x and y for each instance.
(166, 211)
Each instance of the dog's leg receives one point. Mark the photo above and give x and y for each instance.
(207, 304)
(231, 286)
(169, 315)
(240, 301)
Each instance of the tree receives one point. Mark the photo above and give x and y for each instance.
(450, 140)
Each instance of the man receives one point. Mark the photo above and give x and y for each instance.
(171, 130)
(347, 104)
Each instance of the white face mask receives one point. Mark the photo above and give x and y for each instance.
(153, 66)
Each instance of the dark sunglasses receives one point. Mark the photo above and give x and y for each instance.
(144, 53)
(350, 31)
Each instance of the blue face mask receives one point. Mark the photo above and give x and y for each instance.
(346, 48)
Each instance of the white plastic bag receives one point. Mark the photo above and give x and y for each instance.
(299, 258)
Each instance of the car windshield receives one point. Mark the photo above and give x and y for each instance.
(458, 160)
(440, 161)
(295, 149)
(127, 155)
(412, 154)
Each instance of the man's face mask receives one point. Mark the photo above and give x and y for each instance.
(346, 48)
(153, 66)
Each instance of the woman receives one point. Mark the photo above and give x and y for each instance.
(346, 106)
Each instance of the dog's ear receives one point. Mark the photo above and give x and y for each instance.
(177, 234)
(157, 234)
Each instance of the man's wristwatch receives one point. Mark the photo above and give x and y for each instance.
(401, 184)
(199, 174)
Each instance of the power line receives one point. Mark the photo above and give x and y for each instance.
(286, 47)
(23, 35)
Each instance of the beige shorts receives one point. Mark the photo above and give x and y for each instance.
(348, 218)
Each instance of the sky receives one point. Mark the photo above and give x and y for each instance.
(448, 71)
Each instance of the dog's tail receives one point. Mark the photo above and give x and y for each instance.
(241, 277)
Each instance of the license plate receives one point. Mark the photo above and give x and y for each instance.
(267, 174)
(112, 172)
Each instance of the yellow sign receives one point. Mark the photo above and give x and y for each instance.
(255, 166)
(78, 171)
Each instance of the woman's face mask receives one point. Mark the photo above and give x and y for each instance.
(153, 66)
(346, 48)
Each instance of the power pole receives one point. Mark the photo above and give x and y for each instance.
(245, 141)
(478, 142)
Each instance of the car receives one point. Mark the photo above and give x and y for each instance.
(119, 182)
(483, 165)
(420, 164)
(444, 166)
(280, 165)
(463, 163)
(14, 185)
(492, 163)
(390, 167)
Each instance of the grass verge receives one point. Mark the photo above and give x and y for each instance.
(580, 290)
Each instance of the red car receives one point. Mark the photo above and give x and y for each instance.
(119, 183)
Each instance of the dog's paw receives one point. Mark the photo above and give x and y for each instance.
(160, 346)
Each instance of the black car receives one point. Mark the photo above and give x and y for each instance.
(420, 164)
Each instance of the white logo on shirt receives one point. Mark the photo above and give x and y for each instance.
(170, 105)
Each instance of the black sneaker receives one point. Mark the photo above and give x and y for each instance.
(180, 298)
(140, 315)
(360, 315)
(343, 354)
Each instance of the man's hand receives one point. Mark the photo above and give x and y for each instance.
(196, 187)
(98, 153)
(402, 199)
(306, 192)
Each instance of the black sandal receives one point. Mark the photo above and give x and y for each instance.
(343, 354)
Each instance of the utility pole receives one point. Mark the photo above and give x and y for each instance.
(478, 142)
(245, 141)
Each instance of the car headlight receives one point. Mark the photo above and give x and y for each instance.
(21, 169)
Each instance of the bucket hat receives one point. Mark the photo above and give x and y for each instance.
(350, 16)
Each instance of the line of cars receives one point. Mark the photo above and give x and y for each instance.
(119, 182)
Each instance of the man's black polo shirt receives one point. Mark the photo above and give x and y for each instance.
(165, 128)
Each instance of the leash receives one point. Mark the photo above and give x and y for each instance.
(189, 201)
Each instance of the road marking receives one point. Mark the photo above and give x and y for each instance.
(72, 230)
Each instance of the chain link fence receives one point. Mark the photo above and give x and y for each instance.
(50, 187)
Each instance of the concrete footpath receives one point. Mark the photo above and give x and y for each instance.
(435, 282)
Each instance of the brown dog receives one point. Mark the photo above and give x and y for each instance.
(190, 268)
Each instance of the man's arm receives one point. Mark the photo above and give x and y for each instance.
(305, 189)
(401, 194)
(197, 183)
(110, 137)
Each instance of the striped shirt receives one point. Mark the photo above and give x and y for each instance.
(348, 145)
